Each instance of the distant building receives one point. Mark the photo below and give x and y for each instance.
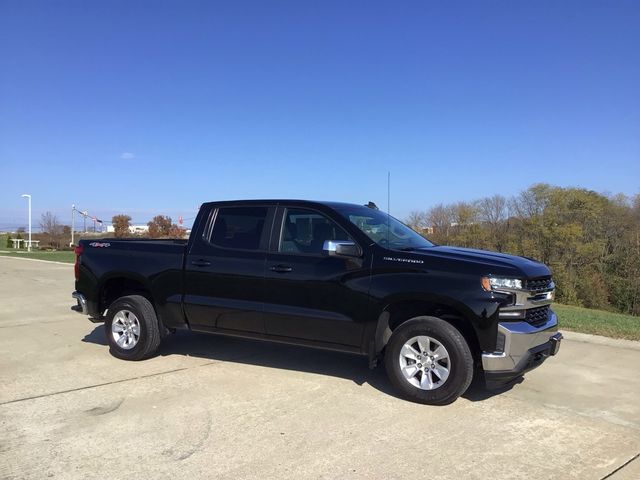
(133, 229)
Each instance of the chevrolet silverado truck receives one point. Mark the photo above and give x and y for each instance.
(328, 275)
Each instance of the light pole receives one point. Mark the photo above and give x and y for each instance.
(29, 198)
(73, 222)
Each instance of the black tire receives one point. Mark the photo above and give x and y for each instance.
(460, 366)
(149, 337)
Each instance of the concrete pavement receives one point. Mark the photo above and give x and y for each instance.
(213, 407)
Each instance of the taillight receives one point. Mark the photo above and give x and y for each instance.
(76, 268)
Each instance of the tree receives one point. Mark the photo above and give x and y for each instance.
(51, 228)
(440, 218)
(121, 225)
(591, 241)
(160, 226)
(531, 202)
(176, 231)
(417, 220)
(493, 213)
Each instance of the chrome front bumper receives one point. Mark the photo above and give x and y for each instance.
(522, 343)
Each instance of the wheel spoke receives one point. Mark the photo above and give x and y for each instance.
(122, 340)
(441, 372)
(423, 343)
(135, 328)
(427, 381)
(440, 353)
(409, 352)
(118, 327)
(410, 371)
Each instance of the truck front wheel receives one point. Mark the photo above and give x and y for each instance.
(429, 361)
(132, 328)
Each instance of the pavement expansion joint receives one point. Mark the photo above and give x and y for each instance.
(635, 457)
(86, 387)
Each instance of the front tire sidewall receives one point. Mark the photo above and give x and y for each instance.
(461, 360)
(149, 333)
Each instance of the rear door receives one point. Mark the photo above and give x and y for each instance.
(309, 294)
(225, 269)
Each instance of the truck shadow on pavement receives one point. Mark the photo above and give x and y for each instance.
(284, 357)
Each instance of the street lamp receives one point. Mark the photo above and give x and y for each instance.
(73, 222)
(29, 198)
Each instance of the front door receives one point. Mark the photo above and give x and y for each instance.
(309, 294)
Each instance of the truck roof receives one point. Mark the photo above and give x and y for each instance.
(272, 201)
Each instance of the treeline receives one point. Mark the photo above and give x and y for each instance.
(591, 241)
(55, 235)
(161, 226)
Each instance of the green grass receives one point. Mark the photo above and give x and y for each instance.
(65, 256)
(597, 322)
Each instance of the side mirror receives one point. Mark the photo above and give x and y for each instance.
(341, 248)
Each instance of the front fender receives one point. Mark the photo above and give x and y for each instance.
(454, 295)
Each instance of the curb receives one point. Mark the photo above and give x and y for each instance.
(37, 260)
(599, 340)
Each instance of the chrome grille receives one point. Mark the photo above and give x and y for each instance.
(537, 316)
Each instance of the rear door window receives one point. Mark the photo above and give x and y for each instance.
(240, 228)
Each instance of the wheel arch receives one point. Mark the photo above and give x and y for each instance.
(397, 312)
(119, 285)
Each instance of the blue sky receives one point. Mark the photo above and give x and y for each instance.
(146, 107)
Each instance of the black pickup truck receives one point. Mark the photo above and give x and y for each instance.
(329, 275)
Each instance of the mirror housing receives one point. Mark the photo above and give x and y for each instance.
(341, 248)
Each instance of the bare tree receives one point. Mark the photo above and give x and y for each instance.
(464, 213)
(531, 202)
(493, 210)
(636, 206)
(49, 223)
(418, 221)
(440, 218)
(51, 228)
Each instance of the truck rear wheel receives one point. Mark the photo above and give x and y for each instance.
(429, 361)
(132, 328)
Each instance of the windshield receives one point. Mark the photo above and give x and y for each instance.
(383, 229)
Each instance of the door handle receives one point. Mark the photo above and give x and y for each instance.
(201, 263)
(281, 268)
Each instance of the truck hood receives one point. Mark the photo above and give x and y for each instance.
(491, 262)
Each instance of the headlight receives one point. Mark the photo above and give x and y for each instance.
(497, 283)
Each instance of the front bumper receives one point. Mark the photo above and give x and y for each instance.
(525, 348)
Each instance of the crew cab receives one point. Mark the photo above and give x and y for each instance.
(329, 275)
